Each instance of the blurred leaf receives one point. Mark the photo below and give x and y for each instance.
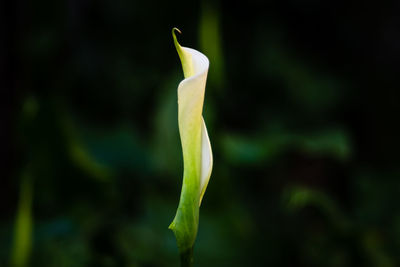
(116, 149)
(297, 198)
(166, 149)
(374, 249)
(59, 243)
(307, 85)
(210, 36)
(245, 150)
(22, 242)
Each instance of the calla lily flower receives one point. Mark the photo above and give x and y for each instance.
(196, 148)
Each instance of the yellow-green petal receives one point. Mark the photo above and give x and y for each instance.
(185, 57)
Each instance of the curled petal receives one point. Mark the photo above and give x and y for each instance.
(196, 148)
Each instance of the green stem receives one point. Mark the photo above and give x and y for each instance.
(187, 258)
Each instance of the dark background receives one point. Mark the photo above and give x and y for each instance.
(301, 106)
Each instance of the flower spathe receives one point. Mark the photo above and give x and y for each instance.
(196, 147)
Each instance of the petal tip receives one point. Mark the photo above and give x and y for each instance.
(175, 29)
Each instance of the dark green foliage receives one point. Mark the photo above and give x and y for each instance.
(302, 115)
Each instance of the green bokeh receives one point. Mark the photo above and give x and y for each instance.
(301, 108)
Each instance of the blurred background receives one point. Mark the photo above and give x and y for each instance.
(301, 107)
